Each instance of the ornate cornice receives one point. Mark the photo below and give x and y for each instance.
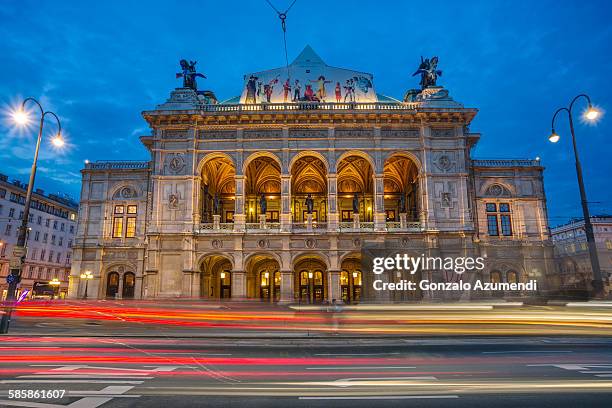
(308, 118)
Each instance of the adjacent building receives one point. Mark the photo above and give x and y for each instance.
(52, 228)
(572, 253)
(275, 194)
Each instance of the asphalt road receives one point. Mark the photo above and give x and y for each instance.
(197, 354)
(325, 372)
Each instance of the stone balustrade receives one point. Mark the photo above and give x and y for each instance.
(301, 227)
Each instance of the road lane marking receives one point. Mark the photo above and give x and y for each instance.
(357, 368)
(381, 397)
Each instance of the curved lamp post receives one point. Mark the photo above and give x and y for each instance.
(19, 251)
(591, 114)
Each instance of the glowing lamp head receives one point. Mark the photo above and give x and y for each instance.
(20, 117)
(58, 141)
(222, 275)
(554, 137)
(591, 113)
(354, 274)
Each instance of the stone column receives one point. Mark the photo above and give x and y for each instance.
(285, 216)
(286, 295)
(238, 284)
(239, 216)
(197, 198)
(119, 293)
(380, 219)
(195, 284)
(333, 286)
(333, 217)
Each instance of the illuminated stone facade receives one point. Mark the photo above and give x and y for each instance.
(195, 207)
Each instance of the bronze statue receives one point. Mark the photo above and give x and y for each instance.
(355, 204)
(189, 74)
(309, 204)
(216, 204)
(263, 204)
(429, 72)
(402, 203)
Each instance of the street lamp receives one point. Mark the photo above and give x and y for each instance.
(590, 114)
(19, 251)
(87, 276)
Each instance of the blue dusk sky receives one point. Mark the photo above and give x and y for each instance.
(99, 64)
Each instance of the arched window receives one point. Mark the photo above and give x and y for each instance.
(112, 284)
(129, 281)
(344, 278)
(496, 277)
(512, 277)
(357, 278)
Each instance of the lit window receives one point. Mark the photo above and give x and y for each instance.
(119, 209)
(130, 227)
(131, 209)
(117, 227)
(512, 277)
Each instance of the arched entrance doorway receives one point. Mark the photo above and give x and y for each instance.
(218, 190)
(262, 177)
(355, 180)
(216, 277)
(129, 283)
(263, 278)
(309, 180)
(351, 281)
(112, 284)
(310, 280)
(400, 188)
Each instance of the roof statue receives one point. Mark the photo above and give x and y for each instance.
(429, 72)
(189, 74)
(311, 80)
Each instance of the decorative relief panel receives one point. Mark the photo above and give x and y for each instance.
(125, 193)
(445, 200)
(354, 133)
(497, 190)
(176, 133)
(442, 132)
(308, 133)
(445, 161)
(400, 133)
(217, 134)
(263, 134)
(175, 163)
